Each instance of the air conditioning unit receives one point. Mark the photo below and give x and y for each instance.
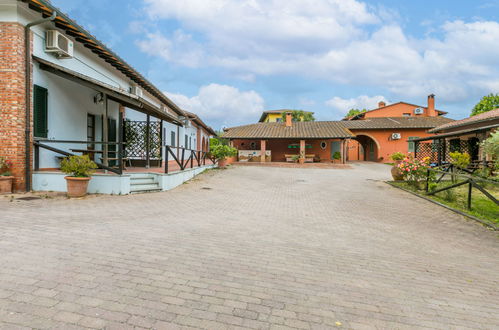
(58, 43)
(136, 90)
(418, 111)
(396, 136)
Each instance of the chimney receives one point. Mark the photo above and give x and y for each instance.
(289, 119)
(381, 104)
(431, 106)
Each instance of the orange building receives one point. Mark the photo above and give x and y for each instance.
(389, 128)
(373, 135)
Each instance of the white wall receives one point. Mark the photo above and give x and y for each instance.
(68, 106)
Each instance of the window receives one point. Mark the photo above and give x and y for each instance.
(40, 111)
(406, 114)
(190, 142)
(186, 145)
(412, 144)
(323, 144)
(278, 120)
(173, 140)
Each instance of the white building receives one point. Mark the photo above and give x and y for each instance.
(83, 97)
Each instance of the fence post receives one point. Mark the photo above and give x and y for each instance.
(192, 156)
(182, 166)
(167, 151)
(427, 179)
(470, 188)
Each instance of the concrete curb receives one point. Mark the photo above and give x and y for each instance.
(483, 222)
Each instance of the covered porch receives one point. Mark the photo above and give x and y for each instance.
(439, 147)
(291, 150)
(78, 115)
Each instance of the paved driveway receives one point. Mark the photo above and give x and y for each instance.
(249, 247)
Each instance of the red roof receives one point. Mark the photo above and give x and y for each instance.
(483, 117)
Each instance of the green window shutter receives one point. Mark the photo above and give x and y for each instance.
(40, 111)
(412, 144)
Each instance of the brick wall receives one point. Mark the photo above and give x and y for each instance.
(12, 99)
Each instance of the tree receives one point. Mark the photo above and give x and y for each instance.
(354, 112)
(487, 103)
(299, 115)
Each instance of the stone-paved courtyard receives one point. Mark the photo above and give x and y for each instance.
(248, 247)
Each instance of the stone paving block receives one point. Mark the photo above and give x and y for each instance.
(285, 248)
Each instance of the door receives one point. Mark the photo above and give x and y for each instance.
(372, 154)
(335, 147)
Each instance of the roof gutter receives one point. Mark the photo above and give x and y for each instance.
(27, 78)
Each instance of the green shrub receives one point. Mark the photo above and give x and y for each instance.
(491, 147)
(295, 158)
(397, 156)
(449, 195)
(336, 155)
(432, 186)
(221, 151)
(461, 160)
(78, 166)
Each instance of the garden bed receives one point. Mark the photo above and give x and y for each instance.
(483, 209)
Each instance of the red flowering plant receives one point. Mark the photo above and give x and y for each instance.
(415, 171)
(5, 166)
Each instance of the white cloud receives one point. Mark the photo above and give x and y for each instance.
(222, 105)
(344, 41)
(342, 106)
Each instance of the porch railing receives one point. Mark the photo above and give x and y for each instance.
(183, 159)
(42, 144)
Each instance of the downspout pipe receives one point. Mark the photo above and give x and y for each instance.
(27, 61)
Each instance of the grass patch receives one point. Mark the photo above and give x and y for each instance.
(481, 206)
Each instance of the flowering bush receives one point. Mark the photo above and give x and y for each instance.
(5, 166)
(414, 170)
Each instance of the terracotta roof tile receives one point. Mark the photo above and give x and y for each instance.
(328, 129)
(483, 117)
(396, 122)
(306, 130)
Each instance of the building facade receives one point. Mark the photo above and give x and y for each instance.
(67, 93)
(370, 136)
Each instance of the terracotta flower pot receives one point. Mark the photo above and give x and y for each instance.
(396, 172)
(77, 187)
(301, 160)
(6, 184)
(222, 162)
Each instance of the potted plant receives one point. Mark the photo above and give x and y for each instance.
(79, 170)
(295, 158)
(6, 177)
(221, 152)
(336, 157)
(397, 174)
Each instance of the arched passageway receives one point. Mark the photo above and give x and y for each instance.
(368, 148)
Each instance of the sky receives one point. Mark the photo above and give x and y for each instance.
(228, 60)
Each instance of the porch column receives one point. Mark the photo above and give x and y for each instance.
(342, 151)
(302, 151)
(121, 117)
(262, 150)
(105, 133)
(148, 121)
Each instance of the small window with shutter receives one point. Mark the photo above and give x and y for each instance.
(40, 111)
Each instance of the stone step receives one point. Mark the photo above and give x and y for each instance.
(141, 180)
(144, 188)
